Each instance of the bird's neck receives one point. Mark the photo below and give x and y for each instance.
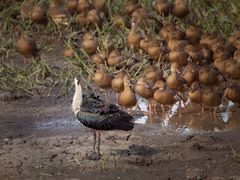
(77, 100)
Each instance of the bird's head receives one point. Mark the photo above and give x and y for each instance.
(77, 81)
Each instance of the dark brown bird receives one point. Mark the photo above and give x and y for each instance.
(131, 6)
(98, 115)
(25, 46)
(26, 9)
(72, 6)
(163, 7)
(58, 14)
(38, 15)
(180, 9)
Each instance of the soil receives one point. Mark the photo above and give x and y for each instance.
(41, 139)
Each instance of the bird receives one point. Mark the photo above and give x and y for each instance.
(131, 6)
(127, 97)
(212, 97)
(190, 73)
(208, 75)
(98, 115)
(193, 34)
(134, 37)
(145, 43)
(180, 9)
(103, 80)
(26, 9)
(120, 21)
(118, 83)
(195, 93)
(164, 95)
(153, 73)
(58, 14)
(89, 43)
(145, 89)
(116, 59)
(100, 57)
(39, 15)
(81, 19)
(179, 57)
(155, 51)
(25, 46)
(163, 7)
(83, 5)
(72, 6)
(232, 93)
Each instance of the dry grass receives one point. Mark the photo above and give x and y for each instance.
(222, 17)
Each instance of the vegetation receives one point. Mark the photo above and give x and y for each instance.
(221, 17)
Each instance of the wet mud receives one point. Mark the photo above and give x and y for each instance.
(41, 139)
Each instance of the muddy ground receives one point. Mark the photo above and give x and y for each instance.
(41, 139)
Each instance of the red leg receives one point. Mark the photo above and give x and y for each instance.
(155, 108)
(94, 140)
(149, 107)
(99, 140)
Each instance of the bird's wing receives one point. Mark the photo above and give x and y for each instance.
(95, 105)
(101, 115)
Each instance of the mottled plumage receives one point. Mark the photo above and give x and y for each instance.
(101, 115)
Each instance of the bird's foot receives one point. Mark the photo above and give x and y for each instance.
(94, 156)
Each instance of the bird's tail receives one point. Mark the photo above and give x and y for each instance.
(126, 123)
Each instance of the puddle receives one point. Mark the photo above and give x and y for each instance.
(57, 124)
(192, 119)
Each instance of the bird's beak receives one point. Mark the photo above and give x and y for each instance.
(77, 80)
(78, 77)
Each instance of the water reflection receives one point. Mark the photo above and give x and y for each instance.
(228, 117)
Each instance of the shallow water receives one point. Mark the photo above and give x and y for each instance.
(227, 117)
(28, 121)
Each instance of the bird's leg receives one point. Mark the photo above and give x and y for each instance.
(155, 108)
(99, 140)
(150, 114)
(150, 107)
(94, 140)
(191, 104)
(180, 108)
(211, 110)
(183, 100)
(95, 156)
(215, 111)
(150, 117)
